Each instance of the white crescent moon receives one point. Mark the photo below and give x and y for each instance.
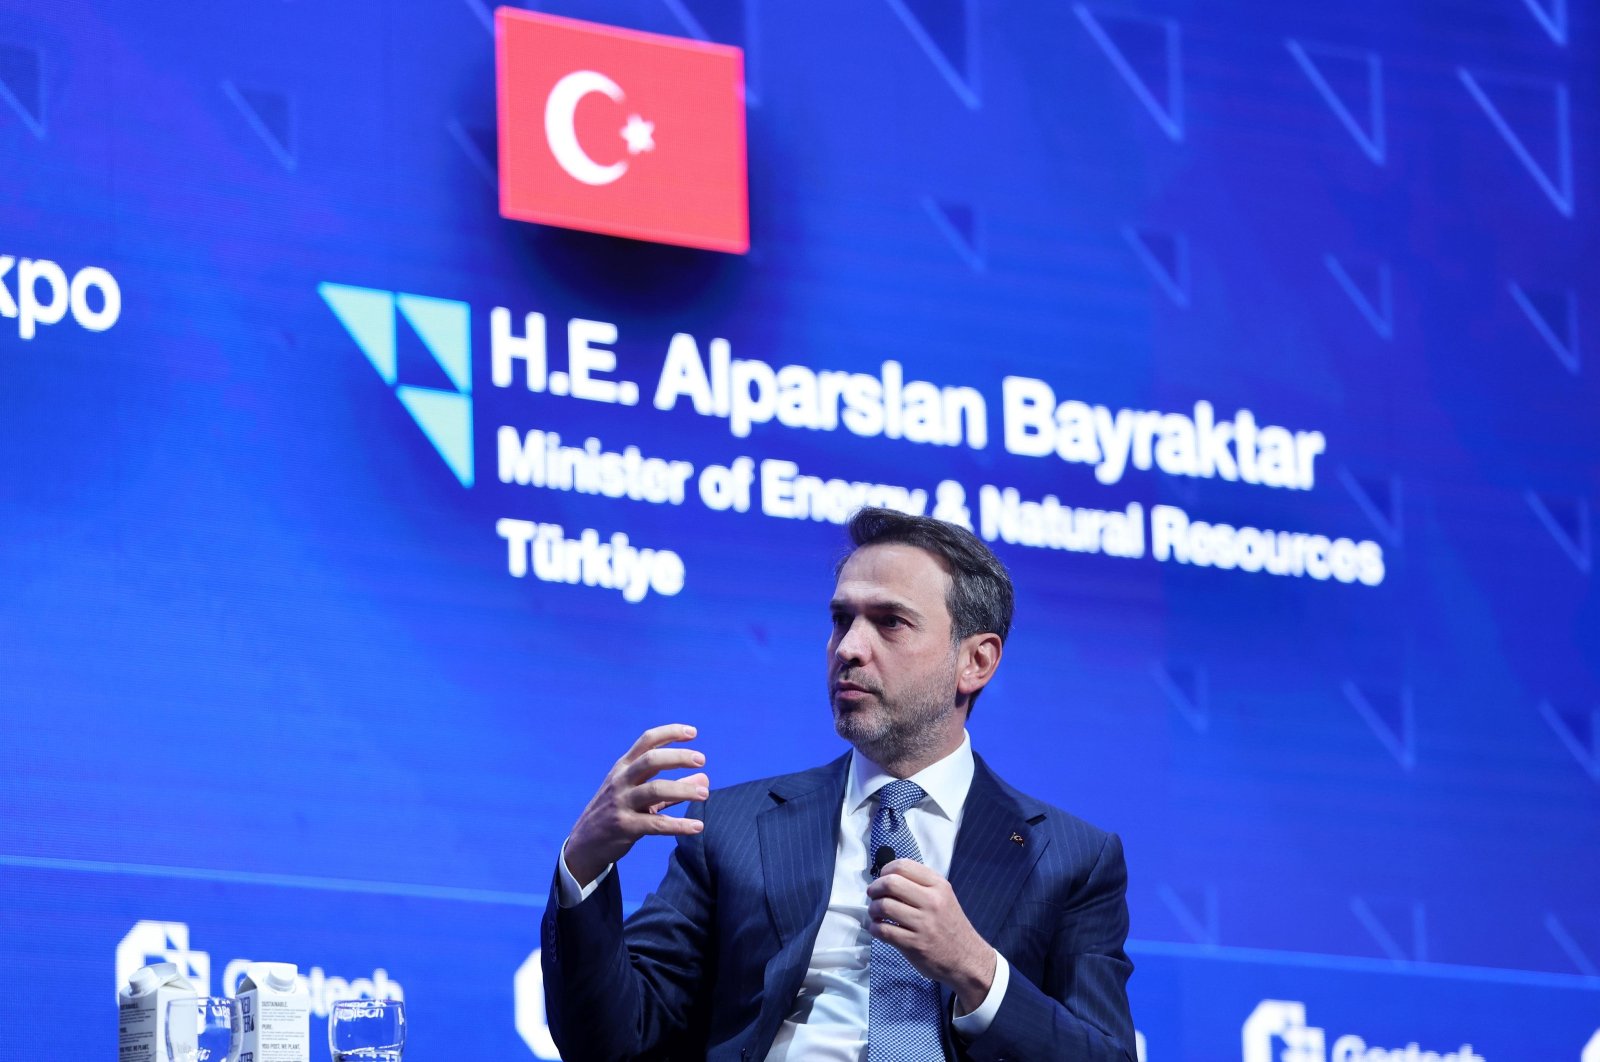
(559, 109)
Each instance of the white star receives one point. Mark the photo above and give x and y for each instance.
(639, 134)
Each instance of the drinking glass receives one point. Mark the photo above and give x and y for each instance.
(367, 1030)
(203, 1029)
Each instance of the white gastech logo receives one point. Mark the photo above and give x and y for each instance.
(61, 294)
(1276, 1031)
(152, 942)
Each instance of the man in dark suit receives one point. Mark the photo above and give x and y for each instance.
(901, 902)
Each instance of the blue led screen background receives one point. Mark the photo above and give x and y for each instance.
(270, 688)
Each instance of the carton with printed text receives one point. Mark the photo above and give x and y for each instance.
(142, 1011)
(275, 1013)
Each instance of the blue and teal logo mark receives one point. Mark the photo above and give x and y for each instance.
(445, 328)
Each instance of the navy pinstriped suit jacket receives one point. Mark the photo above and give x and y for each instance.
(710, 966)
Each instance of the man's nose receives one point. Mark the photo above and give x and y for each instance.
(853, 644)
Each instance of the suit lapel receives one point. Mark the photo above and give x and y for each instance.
(995, 849)
(799, 836)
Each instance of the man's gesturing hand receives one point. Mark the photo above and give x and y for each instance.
(629, 801)
(913, 908)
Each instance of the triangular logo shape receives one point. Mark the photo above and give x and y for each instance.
(1187, 689)
(480, 145)
(958, 222)
(1554, 315)
(1194, 908)
(1379, 499)
(270, 115)
(1567, 520)
(1391, 717)
(1552, 16)
(1351, 84)
(1579, 731)
(22, 84)
(445, 328)
(368, 316)
(1147, 53)
(1166, 256)
(446, 418)
(943, 29)
(1579, 957)
(1369, 288)
(1517, 108)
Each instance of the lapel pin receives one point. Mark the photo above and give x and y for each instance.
(1016, 838)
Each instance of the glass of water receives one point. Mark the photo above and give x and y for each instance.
(203, 1029)
(367, 1030)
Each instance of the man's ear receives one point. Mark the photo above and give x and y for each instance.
(979, 658)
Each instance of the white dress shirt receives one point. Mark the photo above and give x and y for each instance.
(828, 1021)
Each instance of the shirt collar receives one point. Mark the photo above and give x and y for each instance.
(946, 781)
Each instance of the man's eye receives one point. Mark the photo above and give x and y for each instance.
(891, 621)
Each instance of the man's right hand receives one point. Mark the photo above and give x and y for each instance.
(629, 803)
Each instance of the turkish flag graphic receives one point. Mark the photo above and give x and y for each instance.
(616, 131)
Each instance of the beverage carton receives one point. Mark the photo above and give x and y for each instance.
(275, 1012)
(142, 1011)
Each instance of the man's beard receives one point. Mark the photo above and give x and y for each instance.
(902, 732)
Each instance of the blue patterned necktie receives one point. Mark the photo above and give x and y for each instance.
(903, 1006)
